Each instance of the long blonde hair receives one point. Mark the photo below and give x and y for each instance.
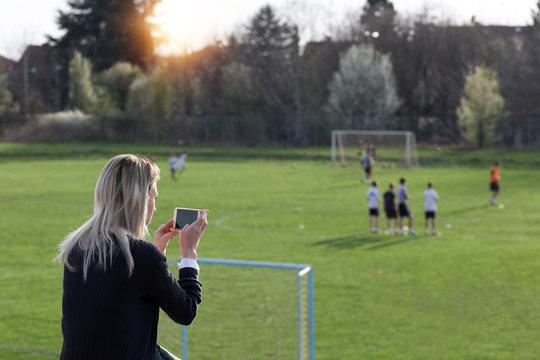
(120, 205)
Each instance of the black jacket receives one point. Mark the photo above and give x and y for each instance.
(113, 316)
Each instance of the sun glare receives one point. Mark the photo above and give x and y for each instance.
(181, 26)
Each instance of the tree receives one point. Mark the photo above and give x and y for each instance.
(525, 90)
(117, 80)
(5, 94)
(374, 23)
(81, 89)
(108, 31)
(481, 107)
(138, 98)
(237, 89)
(377, 24)
(272, 52)
(162, 98)
(363, 91)
(152, 98)
(520, 83)
(237, 102)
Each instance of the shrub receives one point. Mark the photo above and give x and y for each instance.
(71, 125)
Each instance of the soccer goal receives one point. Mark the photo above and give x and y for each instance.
(250, 310)
(391, 148)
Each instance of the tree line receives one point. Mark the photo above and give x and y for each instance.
(470, 84)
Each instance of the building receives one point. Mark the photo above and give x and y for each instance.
(6, 65)
(38, 80)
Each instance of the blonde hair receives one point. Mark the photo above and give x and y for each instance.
(120, 205)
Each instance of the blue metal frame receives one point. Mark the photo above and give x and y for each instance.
(304, 269)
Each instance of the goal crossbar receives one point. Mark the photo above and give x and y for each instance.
(411, 156)
(303, 270)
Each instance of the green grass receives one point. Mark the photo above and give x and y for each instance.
(471, 293)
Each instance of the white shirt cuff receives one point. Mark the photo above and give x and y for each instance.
(186, 262)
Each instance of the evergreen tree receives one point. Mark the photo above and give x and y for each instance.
(378, 17)
(107, 31)
(272, 52)
(481, 107)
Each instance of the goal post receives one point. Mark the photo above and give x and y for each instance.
(250, 310)
(393, 148)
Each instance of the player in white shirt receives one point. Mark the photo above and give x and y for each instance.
(173, 163)
(404, 211)
(373, 195)
(430, 206)
(182, 162)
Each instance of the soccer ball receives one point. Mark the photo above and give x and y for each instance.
(293, 166)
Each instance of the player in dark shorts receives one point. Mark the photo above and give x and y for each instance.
(403, 197)
(366, 164)
(390, 208)
(404, 210)
(373, 196)
(494, 182)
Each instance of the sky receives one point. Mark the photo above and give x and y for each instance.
(192, 24)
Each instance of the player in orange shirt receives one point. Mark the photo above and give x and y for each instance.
(494, 182)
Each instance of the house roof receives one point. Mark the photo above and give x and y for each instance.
(6, 64)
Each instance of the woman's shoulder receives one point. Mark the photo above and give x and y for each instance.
(144, 251)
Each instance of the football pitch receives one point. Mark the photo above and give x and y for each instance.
(471, 293)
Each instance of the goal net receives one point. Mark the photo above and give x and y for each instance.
(250, 310)
(391, 148)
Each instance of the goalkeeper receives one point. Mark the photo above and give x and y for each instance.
(366, 163)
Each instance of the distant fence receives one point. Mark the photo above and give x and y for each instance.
(249, 130)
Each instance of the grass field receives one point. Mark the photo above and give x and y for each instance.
(471, 293)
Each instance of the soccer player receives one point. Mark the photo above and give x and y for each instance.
(390, 208)
(373, 195)
(403, 197)
(371, 151)
(494, 182)
(430, 206)
(182, 162)
(366, 163)
(173, 163)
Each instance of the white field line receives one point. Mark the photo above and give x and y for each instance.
(220, 222)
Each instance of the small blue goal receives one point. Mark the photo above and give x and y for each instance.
(250, 310)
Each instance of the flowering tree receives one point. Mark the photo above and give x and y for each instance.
(481, 107)
(363, 91)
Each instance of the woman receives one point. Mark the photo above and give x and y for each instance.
(114, 282)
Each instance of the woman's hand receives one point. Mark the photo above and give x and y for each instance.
(191, 235)
(163, 234)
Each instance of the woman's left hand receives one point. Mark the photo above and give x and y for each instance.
(163, 234)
